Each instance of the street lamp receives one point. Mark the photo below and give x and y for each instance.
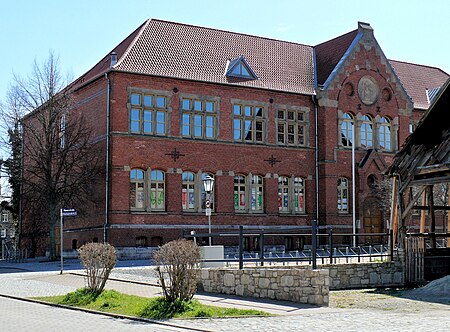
(208, 184)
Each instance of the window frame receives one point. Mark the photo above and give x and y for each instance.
(366, 135)
(191, 113)
(155, 109)
(156, 183)
(347, 126)
(343, 187)
(135, 181)
(188, 186)
(385, 134)
(284, 123)
(252, 118)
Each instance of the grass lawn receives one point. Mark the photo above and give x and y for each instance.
(155, 308)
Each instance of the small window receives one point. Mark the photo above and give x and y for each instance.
(342, 191)
(74, 244)
(137, 189)
(366, 132)
(385, 134)
(347, 128)
(240, 68)
(188, 191)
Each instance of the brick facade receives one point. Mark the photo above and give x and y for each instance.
(224, 158)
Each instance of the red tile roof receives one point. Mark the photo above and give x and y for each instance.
(330, 52)
(189, 52)
(416, 79)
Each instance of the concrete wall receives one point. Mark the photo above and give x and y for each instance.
(301, 285)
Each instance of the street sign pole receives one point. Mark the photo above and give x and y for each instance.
(61, 240)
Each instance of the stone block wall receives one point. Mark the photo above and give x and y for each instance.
(302, 285)
(365, 275)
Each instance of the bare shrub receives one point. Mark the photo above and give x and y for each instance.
(98, 259)
(178, 269)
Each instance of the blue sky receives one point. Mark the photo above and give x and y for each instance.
(81, 32)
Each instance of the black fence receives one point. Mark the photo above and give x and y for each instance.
(322, 248)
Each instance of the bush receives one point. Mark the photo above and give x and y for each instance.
(160, 308)
(81, 296)
(178, 269)
(98, 259)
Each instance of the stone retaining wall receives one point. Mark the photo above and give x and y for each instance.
(302, 285)
(365, 275)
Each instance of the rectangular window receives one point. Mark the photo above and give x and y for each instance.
(148, 114)
(248, 123)
(3, 233)
(291, 127)
(198, 118)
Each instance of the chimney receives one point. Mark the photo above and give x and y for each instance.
(113, 59)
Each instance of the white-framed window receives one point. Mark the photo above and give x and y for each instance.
(188, 191)
(384, 133)
(343, 197)
(151, 199)
(157, 190)
(366, 132)
(248, 123)
(248, 193)
(299, 195)
(240, 201)
(347, 127)
(5, 217)
(291, 194)
(2, 233)
(283, 194)
(257, 193)
(198, 119)
(137, 189)
(291, 127)
(148, 114)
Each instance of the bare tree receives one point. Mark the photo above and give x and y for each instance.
(58, 157)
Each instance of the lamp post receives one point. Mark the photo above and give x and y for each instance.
(208, 184)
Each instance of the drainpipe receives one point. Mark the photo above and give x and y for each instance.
(316, 134)
(105, 225)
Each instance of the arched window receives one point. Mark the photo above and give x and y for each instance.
(256, 192)
(211, 194)
(366, 132)
(299, 194)
(157, 190)
(239, 193)
(347, 127)
(342, 191)
(188, 191)
(385, 134)
(137, 192)
(283, 194)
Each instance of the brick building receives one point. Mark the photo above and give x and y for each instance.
(173, 103)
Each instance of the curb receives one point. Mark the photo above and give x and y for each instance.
(117, 316)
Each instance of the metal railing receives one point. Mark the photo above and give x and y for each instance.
(327, 253)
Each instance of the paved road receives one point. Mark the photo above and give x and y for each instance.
(25, 316)
(22, 316)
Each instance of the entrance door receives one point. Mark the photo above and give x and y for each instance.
(373, 220)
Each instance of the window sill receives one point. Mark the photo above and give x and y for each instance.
(148, 212)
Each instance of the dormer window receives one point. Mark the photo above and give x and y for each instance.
(239, 67)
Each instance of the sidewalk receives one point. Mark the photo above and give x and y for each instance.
(131, 277)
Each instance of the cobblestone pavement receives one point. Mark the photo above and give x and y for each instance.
(406, 316)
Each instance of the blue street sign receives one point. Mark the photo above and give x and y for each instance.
(68, 212)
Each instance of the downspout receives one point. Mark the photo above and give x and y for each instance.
(105, 225)
(316, 133)
(316, 150)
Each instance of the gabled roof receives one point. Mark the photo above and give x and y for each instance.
(182, 51)
(417, 79)
(329, 53)
(189, 52)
